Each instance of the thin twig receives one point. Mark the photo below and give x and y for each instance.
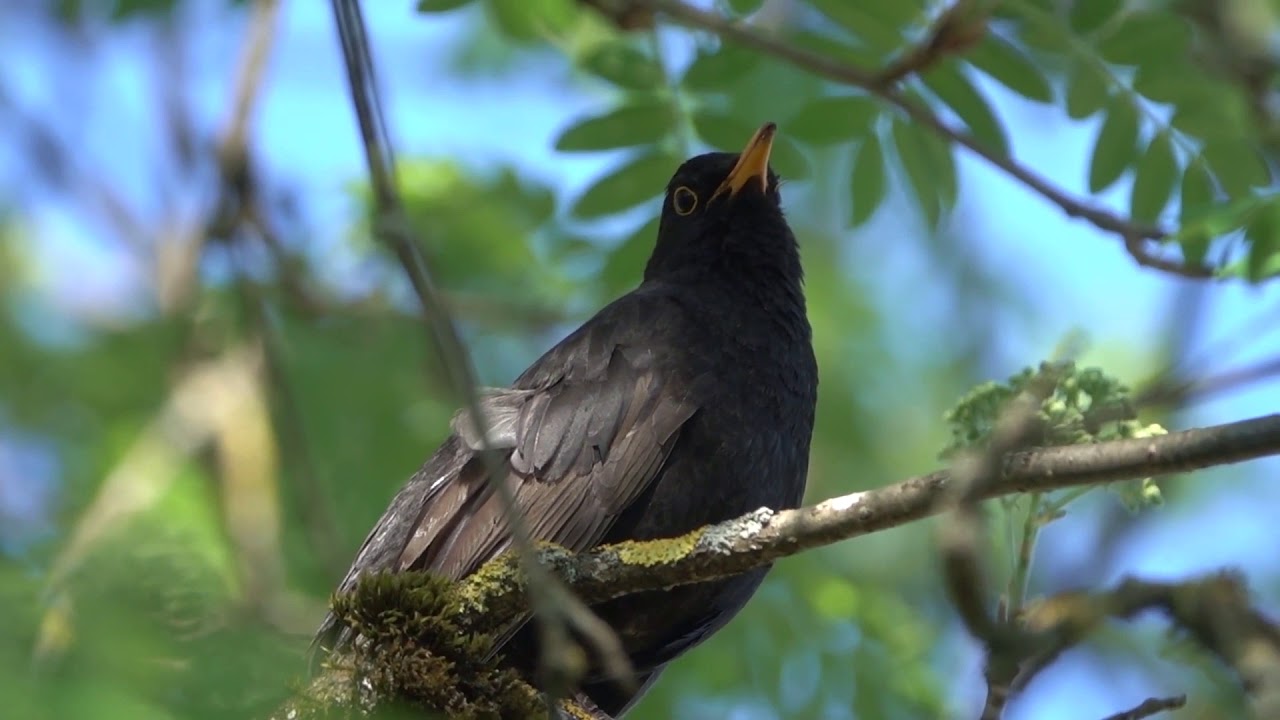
(318, 516)
(177, 260)
(1169, 391)
(960, 27)
(960, 538)
(555, 607)
(1149, 707)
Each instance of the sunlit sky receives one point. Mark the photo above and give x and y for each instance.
(1077, 277)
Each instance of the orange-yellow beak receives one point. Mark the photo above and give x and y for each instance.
(752, 165)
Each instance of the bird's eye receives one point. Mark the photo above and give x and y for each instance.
(684, 200)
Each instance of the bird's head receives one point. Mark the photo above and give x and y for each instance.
(722, 204)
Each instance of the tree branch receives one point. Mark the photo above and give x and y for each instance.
(496, 596)
(964, 532)
(1149, 707)
(1215, 611)
(761, 537)
(1138, 238)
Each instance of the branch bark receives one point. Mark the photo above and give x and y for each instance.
(496, 595)
(761, 537)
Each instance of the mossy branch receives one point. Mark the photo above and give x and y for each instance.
(417, 624)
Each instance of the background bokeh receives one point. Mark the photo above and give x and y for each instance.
(210, 385)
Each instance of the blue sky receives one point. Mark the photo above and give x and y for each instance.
(1077, 278)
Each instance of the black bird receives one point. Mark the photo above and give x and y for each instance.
(687, 401)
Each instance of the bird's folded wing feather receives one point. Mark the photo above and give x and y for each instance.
(580, 436)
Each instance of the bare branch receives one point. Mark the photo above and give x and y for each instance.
(961, 537)
(177, 261)
(1149, 707)
(1215, 611)
(761, 537)
(1168, 390)
(317, 513)
(960, 27)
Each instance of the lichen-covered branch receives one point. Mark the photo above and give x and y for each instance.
(764, 536)
(391, 609)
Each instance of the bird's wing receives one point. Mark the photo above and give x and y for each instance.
(578, 451)
(581, 434)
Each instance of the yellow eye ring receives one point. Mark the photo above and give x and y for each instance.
(684, 200)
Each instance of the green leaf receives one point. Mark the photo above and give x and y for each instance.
(838, 50)
(831, 120)
(435, 6)
(1213, 111)
(1195, 244)
(1010, 67)
(1236, 163)
(867, 187)
(627, 186)
(1222, 218)
(1087, 16)
(897, 14)
(1145, 37)
(624, 66)
(929, 168)
(514, 18)
(1154, 179)
(726, 132)
(1039, 28)
(944, 163)
(1198, 192)
(125, 9)
(1086, 90)
(1116, 147)
(853, 17)
(953, 88)
(716, 70)
(1172, 81)
(745, 7)
(639, 124)
(623, 268)
(1263, 233)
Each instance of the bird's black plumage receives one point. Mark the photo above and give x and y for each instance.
(688, 401)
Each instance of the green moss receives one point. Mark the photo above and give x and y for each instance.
(420, 652)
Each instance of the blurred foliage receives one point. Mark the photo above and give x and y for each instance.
(174, 570)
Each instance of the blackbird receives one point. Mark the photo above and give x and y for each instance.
(687, 401)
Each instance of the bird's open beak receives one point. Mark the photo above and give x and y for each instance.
(752, 165)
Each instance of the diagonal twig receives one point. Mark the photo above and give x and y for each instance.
(556, 609)
(1149, 707)
(960, 538)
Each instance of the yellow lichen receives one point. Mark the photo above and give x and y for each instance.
(652, 553)
(491, 581)
(575, 711)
